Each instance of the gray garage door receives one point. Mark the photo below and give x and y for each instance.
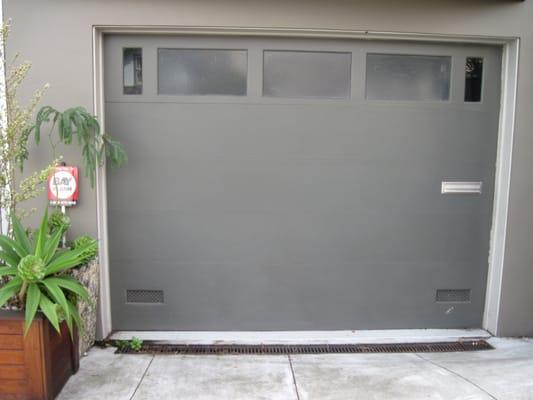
(294, 184)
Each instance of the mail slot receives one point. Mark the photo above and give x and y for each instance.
(461, 187)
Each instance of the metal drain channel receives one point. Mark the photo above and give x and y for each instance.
(439, 347)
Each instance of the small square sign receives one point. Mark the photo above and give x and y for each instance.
(63, 186)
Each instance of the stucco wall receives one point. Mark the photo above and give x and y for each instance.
(56, 35)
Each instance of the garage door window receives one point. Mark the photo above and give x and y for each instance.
(306, 74)
(132, 62)
(407, 77)
(473, 79)
(202, 72)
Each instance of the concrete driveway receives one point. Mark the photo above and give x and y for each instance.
(503, 373)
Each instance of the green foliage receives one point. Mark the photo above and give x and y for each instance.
(58, 220)
(136, 344)
(19, 124)
(36, 273)
(31, 268)
(122, 345)
(89, 244)
(16, 124)
(77, 123)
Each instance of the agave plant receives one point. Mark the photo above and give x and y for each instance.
(58, 220)
(91, 251)
(37, 273)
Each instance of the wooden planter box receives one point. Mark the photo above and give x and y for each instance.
(37, 366)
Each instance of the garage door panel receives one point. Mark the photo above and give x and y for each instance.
(292, 238)
(200, 294)
(311, 184)
(304, 131)
(260, 213)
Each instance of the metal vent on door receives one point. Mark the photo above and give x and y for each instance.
(145, 296)
(452, 296)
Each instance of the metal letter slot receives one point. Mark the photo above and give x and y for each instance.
(461, 187)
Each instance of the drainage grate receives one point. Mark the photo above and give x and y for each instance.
(439, 347)
(144, 296)
(452, 296)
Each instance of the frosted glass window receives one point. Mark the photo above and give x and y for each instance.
(202, 72)
(407, 77)
(306, 74)
(132, 62)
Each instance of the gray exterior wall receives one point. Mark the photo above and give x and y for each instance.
(56, 35)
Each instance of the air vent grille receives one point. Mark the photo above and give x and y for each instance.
(145, 296)
(452, 296)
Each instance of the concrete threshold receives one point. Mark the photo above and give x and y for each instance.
(387, 336)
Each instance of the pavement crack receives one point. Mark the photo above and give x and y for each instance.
(293, 377)
(456, 374)
(142, 378)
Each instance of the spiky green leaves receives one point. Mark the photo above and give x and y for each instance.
(33, 298)
(58, 220)
(37, 274)
(31, 268)
(10, 289)
(89, 244)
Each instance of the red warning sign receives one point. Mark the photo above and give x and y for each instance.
(63, 186)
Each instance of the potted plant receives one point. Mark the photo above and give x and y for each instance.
(87, 273)
(40, 291)
(39, 341)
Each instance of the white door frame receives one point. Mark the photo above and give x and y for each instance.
(509, 83)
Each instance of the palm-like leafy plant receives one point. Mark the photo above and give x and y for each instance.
(37, 274)
(77, 122)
